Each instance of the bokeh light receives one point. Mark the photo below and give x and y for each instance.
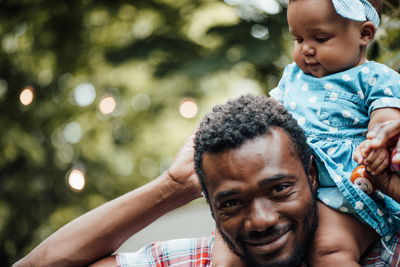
(259, 31)
(107, 104)
(149, 168)
(3, 87)
(26, 96)
(72, 132)
(76, 179)
(84, 94)
(9, 43)
(188, 108)
(270, 6)
(123, 164)
(255, 9)
(141, 102)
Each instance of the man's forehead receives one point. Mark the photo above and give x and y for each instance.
(273, 153)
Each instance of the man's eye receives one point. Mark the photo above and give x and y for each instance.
(231, 206)
(280, 188)
(298, 40)
(230, 203)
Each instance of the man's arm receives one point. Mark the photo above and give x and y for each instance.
(109, 261)
(101, 231)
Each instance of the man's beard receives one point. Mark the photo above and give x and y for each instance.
(300, 246)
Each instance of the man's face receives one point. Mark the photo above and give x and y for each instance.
(261, 199)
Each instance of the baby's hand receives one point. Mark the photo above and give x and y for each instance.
(377, 160)
(362, 151)
(384, 133)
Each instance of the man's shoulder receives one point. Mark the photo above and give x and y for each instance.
(185, 252)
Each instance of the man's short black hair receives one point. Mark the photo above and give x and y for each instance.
(229, 125)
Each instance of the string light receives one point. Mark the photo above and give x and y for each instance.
(84, 94)
(107, 104)
(76, 179)
(26, 96)
(188, 108)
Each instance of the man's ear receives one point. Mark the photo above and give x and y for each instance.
(367, 32)
(313, 174)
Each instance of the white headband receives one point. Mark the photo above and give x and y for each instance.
(359, 10)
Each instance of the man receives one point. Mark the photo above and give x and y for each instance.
(256, 172)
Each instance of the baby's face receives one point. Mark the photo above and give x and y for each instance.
(325, 43)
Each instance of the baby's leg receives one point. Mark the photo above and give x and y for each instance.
(340, 239)
(222, 256)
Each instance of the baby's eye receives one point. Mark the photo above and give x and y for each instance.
(321, 39)
(298, 40)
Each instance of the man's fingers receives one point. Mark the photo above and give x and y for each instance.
(382, 132)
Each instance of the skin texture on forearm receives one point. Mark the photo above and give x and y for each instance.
(382, 115)
(101, 231)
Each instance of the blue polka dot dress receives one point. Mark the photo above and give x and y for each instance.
(334, 113)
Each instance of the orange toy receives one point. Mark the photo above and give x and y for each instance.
(360, 180)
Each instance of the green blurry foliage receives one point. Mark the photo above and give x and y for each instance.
(149, 55)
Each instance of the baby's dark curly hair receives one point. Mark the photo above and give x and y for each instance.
(229, 125)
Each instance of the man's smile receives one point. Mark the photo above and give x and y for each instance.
(268, 243)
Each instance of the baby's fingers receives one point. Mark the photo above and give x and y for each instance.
(377, 168)
(357, 156)
(377, 161)
(362, 151)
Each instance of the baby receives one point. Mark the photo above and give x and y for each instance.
(336, 95)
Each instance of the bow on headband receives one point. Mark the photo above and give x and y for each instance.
(359, 10)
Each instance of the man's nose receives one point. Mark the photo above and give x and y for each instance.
(261, 216)
(308, 50)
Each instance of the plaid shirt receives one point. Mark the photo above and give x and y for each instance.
(193, 252)
(377, 256)
(178, 252)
